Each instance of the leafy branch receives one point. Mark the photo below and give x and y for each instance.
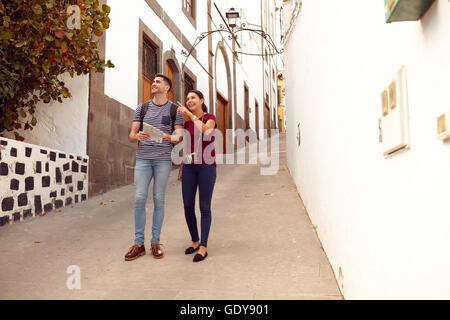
(37, 47)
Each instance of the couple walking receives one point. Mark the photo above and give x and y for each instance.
(153, 161)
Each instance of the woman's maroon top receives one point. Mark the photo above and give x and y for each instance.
(205, 140)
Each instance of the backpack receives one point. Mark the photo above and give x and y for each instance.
(173, 115)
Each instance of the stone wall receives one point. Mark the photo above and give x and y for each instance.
(35, 180)
(112, 156)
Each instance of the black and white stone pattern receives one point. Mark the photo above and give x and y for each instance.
(35, 180)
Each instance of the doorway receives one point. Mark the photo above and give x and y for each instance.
(222, 117)
(246, 109)
(274, 119)
(171, 76)
(267, 119)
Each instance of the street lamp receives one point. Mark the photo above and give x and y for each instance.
(232, 17)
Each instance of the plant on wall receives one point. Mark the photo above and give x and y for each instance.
(40, 41)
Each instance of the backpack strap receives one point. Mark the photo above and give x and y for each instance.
(173, 114)
(142, 115)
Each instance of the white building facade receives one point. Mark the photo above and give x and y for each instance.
(364, 97)
(146, 37)
(149, 36)
(240, 89)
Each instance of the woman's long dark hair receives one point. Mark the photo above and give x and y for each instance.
(200, 95)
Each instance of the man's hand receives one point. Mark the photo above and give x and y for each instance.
(167, 137)
(141, 135)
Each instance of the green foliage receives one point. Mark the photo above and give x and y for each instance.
(37, 47)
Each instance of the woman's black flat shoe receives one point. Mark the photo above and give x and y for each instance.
(198, 257)
(191, 250)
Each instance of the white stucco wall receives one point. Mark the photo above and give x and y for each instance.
(221, 74)
(122, 43)
(62, 126)
(249, 69)
(383, 222)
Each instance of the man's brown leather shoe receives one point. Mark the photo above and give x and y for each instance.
(157, 251)
(135, 252)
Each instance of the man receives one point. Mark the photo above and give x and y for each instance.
(153, 160)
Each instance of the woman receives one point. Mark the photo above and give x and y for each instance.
(198, 169)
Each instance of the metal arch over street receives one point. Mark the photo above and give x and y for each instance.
(232, 34)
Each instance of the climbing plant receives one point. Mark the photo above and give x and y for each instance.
(39, 42)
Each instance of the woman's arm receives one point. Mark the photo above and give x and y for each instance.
(204, 127)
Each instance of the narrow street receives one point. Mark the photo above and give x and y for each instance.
(262, 245)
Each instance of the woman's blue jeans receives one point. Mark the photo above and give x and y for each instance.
(202, 176)
(144, 171)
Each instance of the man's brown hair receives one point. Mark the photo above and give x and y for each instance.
(166, 79)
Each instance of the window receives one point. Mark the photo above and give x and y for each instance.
(149, 67)
(189, 84)
(188, 5)
(150, 59)
(189, 11)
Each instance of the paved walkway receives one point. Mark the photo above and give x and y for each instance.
(262, 246)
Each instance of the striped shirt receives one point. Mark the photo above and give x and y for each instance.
(159, 117)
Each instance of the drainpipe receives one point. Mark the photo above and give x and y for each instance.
(212, 104)
(233, 46)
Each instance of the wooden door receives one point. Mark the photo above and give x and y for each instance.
(274, 123)
(171, 76)
(147, 89)
(222, 117)
(267, 119)
(246, 109)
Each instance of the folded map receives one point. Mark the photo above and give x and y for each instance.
(155, 133)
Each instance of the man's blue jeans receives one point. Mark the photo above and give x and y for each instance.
(144, 171)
